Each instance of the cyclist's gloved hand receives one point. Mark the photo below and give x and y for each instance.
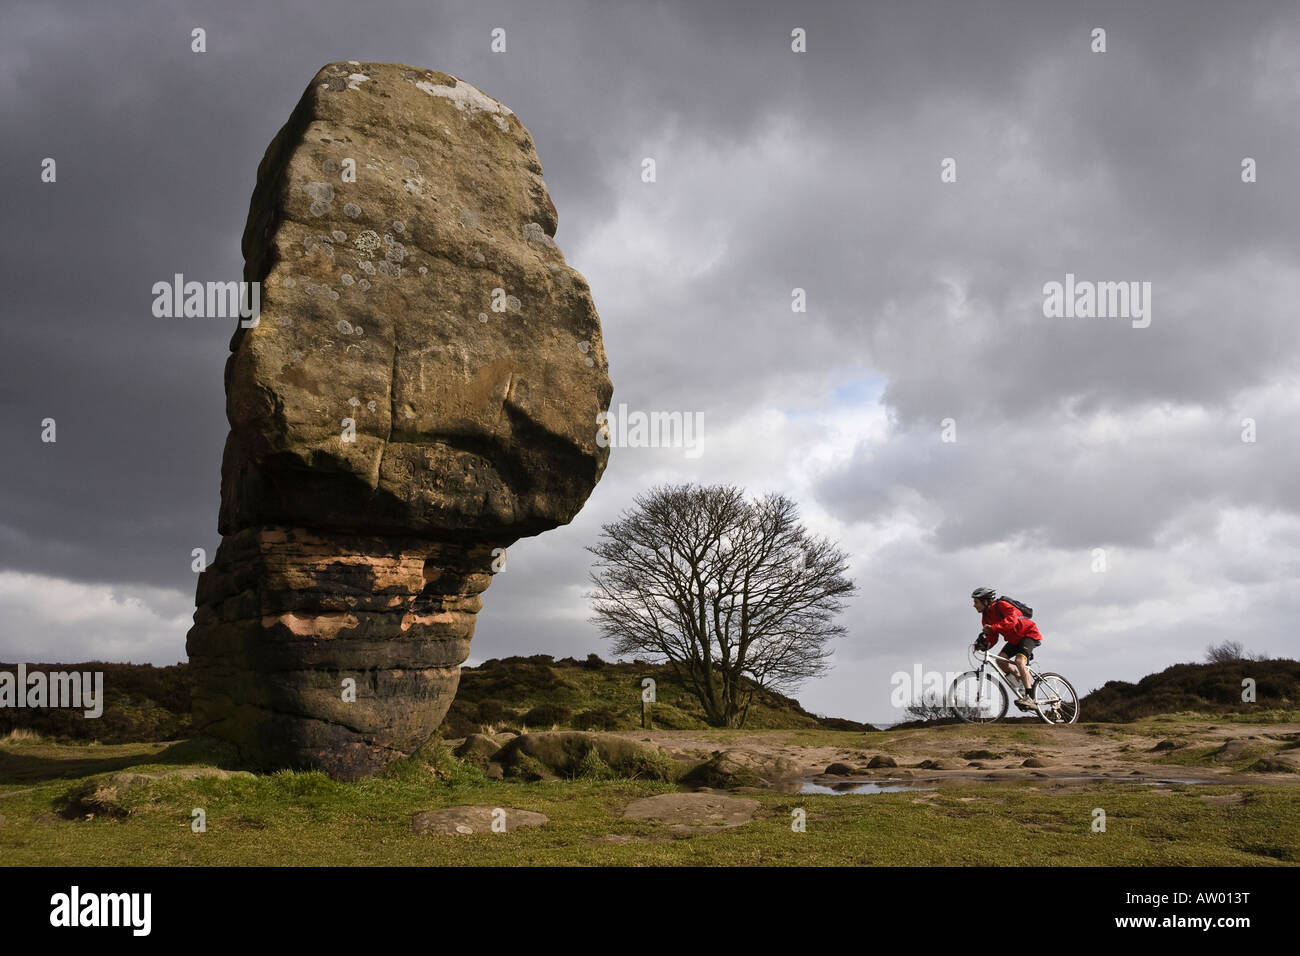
(981, 644)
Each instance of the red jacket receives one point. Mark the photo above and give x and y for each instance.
(1006, 621)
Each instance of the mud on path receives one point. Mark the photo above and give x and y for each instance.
(1066, 756)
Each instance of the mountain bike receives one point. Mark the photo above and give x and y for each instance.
(982, 695)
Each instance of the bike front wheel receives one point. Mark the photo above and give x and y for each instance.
(978, 698)
(1057, 702)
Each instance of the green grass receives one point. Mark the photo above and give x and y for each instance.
(1186, 756)
(1253, 717)
(539, 692)
(308, 819)
(1204, 757)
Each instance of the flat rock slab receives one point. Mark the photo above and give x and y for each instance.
(468, 820)
(693, 809)
(626, 838)
(941, 764)
(730, 769)
(1288, 761)
(1232, 750)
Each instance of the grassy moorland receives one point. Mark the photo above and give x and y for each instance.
(1184, 770)
(147, 703)
(59, 805)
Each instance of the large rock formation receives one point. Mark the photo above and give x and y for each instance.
(420, 391)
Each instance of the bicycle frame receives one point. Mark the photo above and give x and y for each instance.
(988, 661)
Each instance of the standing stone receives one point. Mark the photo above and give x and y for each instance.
(420, 389)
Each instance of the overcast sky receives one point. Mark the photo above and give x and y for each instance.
(775, 170)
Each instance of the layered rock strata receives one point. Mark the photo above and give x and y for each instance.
(420, 389)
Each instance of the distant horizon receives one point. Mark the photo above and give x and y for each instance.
(473, 663)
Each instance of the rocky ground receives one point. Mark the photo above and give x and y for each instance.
(717, 771)
(1057, 759)
(1177, 791)
(1225, 753)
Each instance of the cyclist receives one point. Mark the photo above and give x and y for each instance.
(1003, 619)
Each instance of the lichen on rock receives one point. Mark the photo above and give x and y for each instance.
(385, 441)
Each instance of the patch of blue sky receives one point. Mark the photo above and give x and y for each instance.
(862, 392)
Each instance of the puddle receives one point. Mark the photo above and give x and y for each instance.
(857, 787)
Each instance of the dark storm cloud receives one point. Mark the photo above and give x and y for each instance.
(775, 171)
(1055, 485)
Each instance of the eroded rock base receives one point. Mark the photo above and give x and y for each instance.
(330, 651)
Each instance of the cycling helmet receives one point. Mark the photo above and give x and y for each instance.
(984, 594)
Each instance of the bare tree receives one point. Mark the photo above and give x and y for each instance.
(734, 595)
(930, 707)
(1226, 652)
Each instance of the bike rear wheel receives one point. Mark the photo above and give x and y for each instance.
(978, 698)
(1057, 702)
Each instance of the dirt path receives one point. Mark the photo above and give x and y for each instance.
(1175, 750)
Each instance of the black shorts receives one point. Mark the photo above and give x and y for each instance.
(1026, 646)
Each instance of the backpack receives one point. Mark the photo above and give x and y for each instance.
(1024, 609)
